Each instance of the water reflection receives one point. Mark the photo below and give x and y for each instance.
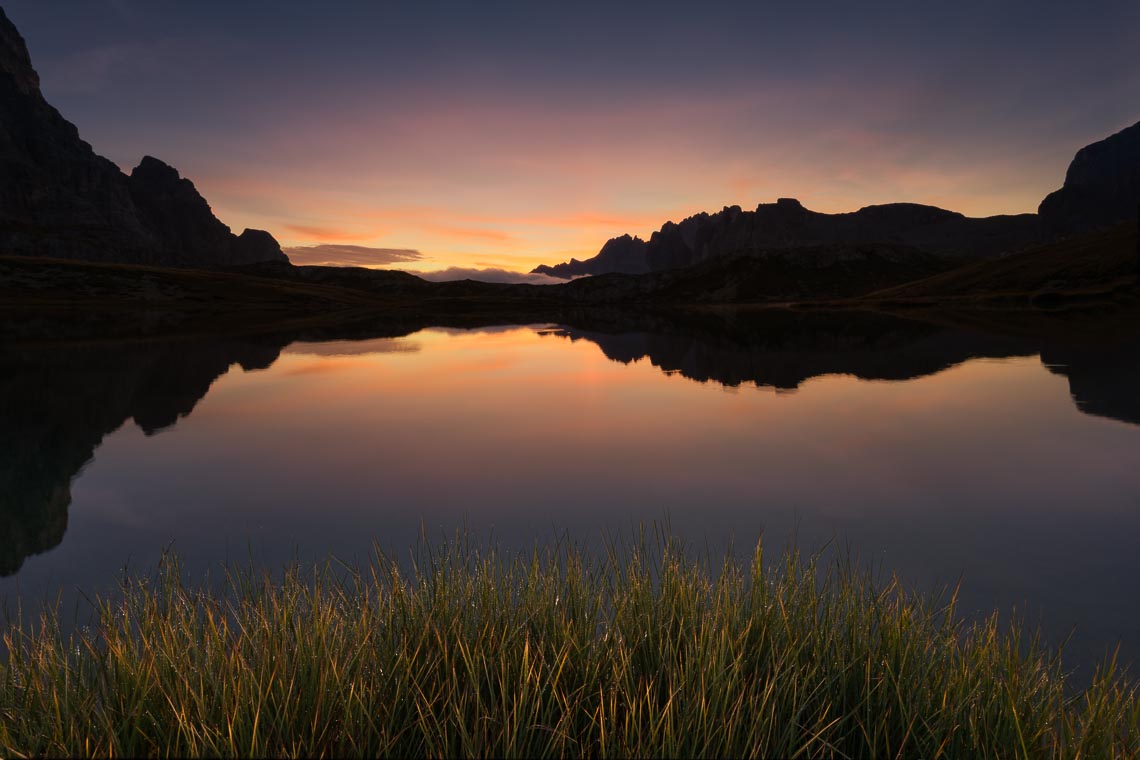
(784, 349)
(1104, 380)
(58, 404)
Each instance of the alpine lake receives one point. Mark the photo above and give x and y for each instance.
(1001, 465)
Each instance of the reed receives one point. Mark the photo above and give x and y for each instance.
(644, 650)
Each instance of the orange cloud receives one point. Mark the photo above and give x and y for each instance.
(328, 233)
(467, 233)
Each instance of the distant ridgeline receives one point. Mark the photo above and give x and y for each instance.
(59, 198)
(1102, 188)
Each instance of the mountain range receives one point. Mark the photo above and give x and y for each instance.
(59, 198)
(1101, 188)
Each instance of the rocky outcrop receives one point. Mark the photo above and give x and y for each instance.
(1102, 187)
(171, 205)
(253, 246)
(786, 224)
(623, 254)
(185, 225)
(59, 198)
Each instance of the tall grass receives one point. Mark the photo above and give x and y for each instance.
(646, 651)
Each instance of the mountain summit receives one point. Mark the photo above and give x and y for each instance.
(786, 224)
(1102, 187)
(59, 198)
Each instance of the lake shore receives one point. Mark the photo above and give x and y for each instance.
(651, 650)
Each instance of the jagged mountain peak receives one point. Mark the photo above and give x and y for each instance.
(59, 198)
(15, 62)
(1102, 187)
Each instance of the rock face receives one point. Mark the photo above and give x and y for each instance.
(59, 198)
(786, 224)
(1102, 187)
(252, 246)
(623, 254)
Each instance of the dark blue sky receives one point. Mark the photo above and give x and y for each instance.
(496, 134)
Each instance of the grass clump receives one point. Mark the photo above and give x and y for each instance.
(645, 651)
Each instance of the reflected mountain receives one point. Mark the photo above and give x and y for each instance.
(1103, 380)
(58, 403)
(783, 349)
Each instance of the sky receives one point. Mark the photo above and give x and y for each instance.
(483, 135)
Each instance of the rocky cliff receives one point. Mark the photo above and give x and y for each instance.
(786, 224)
(1102, 187)
(59, 198)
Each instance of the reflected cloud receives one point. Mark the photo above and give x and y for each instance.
(354, 348)
(331, 233)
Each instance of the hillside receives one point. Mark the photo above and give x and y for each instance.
(787, 224)
(1101, 188)
(1094, 265)
(781, 275)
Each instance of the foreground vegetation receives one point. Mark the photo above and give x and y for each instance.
(644, 652)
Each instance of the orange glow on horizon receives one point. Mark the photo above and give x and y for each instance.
(525, 183)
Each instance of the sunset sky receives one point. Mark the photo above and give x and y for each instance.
(485, 135)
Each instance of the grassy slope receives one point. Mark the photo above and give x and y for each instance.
(1100, 264)
(50, 283)
(645, 654)
(48, 299)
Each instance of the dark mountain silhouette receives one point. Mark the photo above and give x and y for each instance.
(625, 255)
(786, 224)
(57, 405)
(835, 271)
(59, 198)
(1102, 187)
(58, 402)
(1096, 265)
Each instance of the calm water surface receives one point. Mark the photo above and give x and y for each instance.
(1011, 465)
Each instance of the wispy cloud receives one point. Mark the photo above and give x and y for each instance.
(332, 254)
(487, 275)
(354, 347)
(323, 233)
(467, 234)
